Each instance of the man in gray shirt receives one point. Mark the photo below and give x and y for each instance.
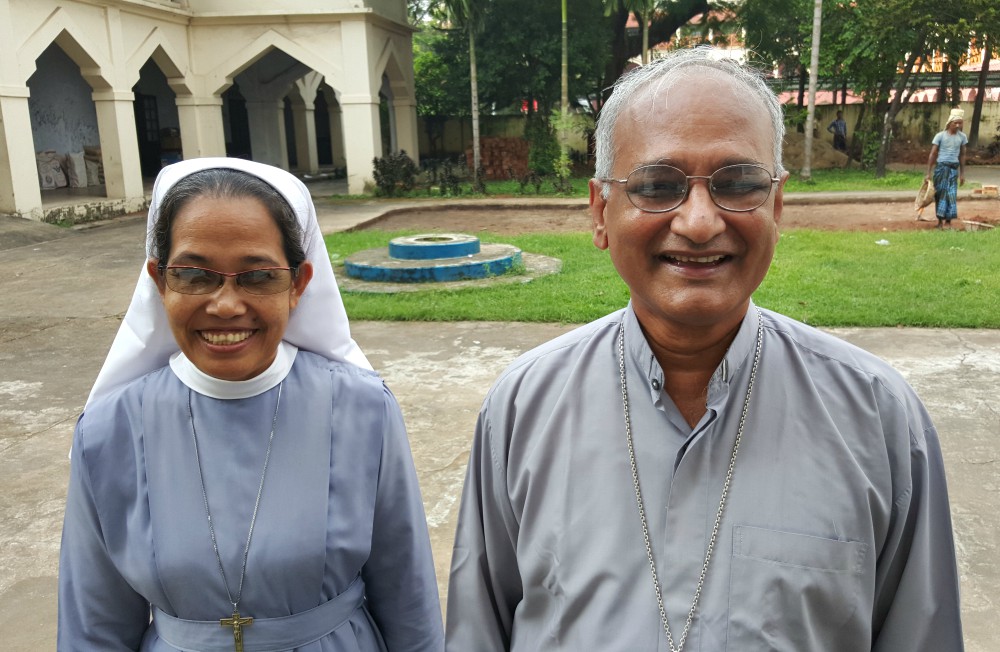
(694, 472)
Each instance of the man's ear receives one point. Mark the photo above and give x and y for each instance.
(152, 268)
(598, 204)
(779, 197)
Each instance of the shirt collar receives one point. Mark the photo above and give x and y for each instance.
(739, 353)
(212, 387)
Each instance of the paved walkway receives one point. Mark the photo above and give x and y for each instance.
(63, 293)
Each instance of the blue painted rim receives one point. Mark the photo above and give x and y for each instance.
(433, 246)
(450, 272)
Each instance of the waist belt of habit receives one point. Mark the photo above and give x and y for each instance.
(265, 634)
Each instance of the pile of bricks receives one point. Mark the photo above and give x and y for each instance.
(501, 157)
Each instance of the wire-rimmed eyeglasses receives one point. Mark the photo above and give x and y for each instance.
(660, 188)
(199, 280)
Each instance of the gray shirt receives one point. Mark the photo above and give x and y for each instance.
(836, 536)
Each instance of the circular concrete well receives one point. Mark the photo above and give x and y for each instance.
(433, 257)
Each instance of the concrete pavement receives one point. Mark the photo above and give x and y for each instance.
(63, 294)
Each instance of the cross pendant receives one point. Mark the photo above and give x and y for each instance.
(237, 623)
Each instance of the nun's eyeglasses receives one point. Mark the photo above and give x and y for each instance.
(198, 280)
(660, 188)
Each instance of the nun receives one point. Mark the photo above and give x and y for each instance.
(240, 478)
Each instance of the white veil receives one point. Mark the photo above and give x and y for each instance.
(318, 323)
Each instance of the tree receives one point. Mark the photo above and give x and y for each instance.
(665, 18)
(418, 11)
(564, 101)
(813, 74)
(521, 53)
(440, 72)
(883, 61)
(879, 62)
(775, 30)
(977, 110)
(643, 9)
(518, 57)
(467, 14)
(987, 36)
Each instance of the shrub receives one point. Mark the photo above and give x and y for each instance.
(544, 152)
(795, 116)
(395, 174)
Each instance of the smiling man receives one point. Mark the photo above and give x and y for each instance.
(693, 471)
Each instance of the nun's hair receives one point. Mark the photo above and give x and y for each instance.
(226, 183)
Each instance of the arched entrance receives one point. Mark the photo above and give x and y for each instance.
(63, 125)
(157, 122)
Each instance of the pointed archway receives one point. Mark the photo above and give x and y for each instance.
(398, 90)
(263, 83)
(157, 121)
(65, 118)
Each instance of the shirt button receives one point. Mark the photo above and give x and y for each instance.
(656, 385)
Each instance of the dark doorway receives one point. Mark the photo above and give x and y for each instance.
(147, 125)
(239, 125)
(289, 118)
(324, 144)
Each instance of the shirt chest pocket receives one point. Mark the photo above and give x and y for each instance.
(796, 592)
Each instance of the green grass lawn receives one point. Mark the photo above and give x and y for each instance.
(853, 179)
(921, 278)
(824, 278)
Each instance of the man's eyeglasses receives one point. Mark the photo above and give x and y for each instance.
(660, 188)
(198, 280)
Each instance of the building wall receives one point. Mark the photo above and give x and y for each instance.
(917, 122)
(83, 87)
(457, 133)
(388, 8)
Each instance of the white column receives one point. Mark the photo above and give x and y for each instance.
(19, 191)
(304, 119)
(202, 132)
(407, 136)
(362, 139)
(359, 102)
(337, 134)
(119, 144)
(282, 136)
(267, 132)
(393, 141)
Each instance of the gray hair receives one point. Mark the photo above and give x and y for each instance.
(665, 71)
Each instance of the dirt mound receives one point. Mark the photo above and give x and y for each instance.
(909, 152)
(824, 156)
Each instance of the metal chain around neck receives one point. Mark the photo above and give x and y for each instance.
(722, 500)
(256, 505)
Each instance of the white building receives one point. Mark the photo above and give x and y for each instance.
(140, 83)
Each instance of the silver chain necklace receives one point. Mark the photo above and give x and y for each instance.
(236, 622)
(722, 500)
